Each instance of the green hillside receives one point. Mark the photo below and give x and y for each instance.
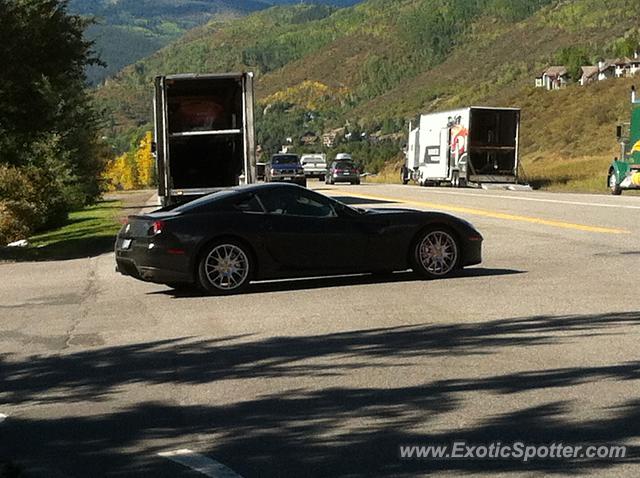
(128, 30)
(375, 66)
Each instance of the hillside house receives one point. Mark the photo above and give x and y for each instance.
(606, 69)
(309, 138)
(634, 64)
(329, 139)
(553, 78)
(589, 75)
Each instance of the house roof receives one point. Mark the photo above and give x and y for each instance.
(556, 71)
(621, 61)
(606, 64)
(589, 71)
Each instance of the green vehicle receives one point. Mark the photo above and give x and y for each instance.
(624, 173)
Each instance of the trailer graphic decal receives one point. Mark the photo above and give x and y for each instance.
(459, 137)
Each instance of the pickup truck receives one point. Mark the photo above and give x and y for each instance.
(314, 165)
(285, 168)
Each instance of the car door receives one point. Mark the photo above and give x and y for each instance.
(305, 233)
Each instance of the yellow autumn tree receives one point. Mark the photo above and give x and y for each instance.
(145, 162)
(132, 170)
(119, 173)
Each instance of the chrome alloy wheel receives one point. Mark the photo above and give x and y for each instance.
(438, 253)
(227, 267)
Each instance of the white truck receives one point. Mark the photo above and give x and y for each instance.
(314, 165)
(204, 134)
(478, 145)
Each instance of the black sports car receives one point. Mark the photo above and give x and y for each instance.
(222, 241)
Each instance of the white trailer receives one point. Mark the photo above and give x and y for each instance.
(469, 145)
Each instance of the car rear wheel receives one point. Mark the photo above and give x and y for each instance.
(436, 253)
(225, 268)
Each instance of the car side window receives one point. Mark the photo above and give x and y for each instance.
(249, 204)
(297, 203)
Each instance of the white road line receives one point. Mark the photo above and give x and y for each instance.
(199, 463)
(519, 198)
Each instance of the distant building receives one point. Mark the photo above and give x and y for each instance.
(634, 64)
(553, 78)
(589, 75)
(556, 77)
(329, 138)
(309, 138)
(606, 69)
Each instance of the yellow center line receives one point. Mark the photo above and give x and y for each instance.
(495, 214)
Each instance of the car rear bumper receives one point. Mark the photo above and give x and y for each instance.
(345, 178)
(287, 179)
(128, 267)
(153, 264)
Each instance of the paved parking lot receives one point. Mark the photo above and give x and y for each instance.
(103, 375)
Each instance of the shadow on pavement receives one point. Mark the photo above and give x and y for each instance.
(311, 283)
(330, 431)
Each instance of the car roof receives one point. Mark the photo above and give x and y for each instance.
(229, 193)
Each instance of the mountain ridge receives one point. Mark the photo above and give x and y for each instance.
(376, 66)
(127, 30)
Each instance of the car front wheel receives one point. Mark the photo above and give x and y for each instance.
(225, 268)
(436, 253)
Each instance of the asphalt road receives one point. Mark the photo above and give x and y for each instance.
(101, 374)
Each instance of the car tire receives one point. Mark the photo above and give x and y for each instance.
(303, 183)
(225, 268)
(436, 253)
(321, 178)
(615, 188)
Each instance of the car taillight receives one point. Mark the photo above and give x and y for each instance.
(156, 228)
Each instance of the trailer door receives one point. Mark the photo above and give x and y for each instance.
(435, 160)
(161, 138)
(249, 132)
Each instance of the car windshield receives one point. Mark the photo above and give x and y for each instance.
(285, 159)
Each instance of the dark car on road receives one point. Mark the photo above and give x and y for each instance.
(224, 240)
(343, 172)
(285, 168)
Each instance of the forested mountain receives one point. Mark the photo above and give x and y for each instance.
(127, 30)
(375, 66)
